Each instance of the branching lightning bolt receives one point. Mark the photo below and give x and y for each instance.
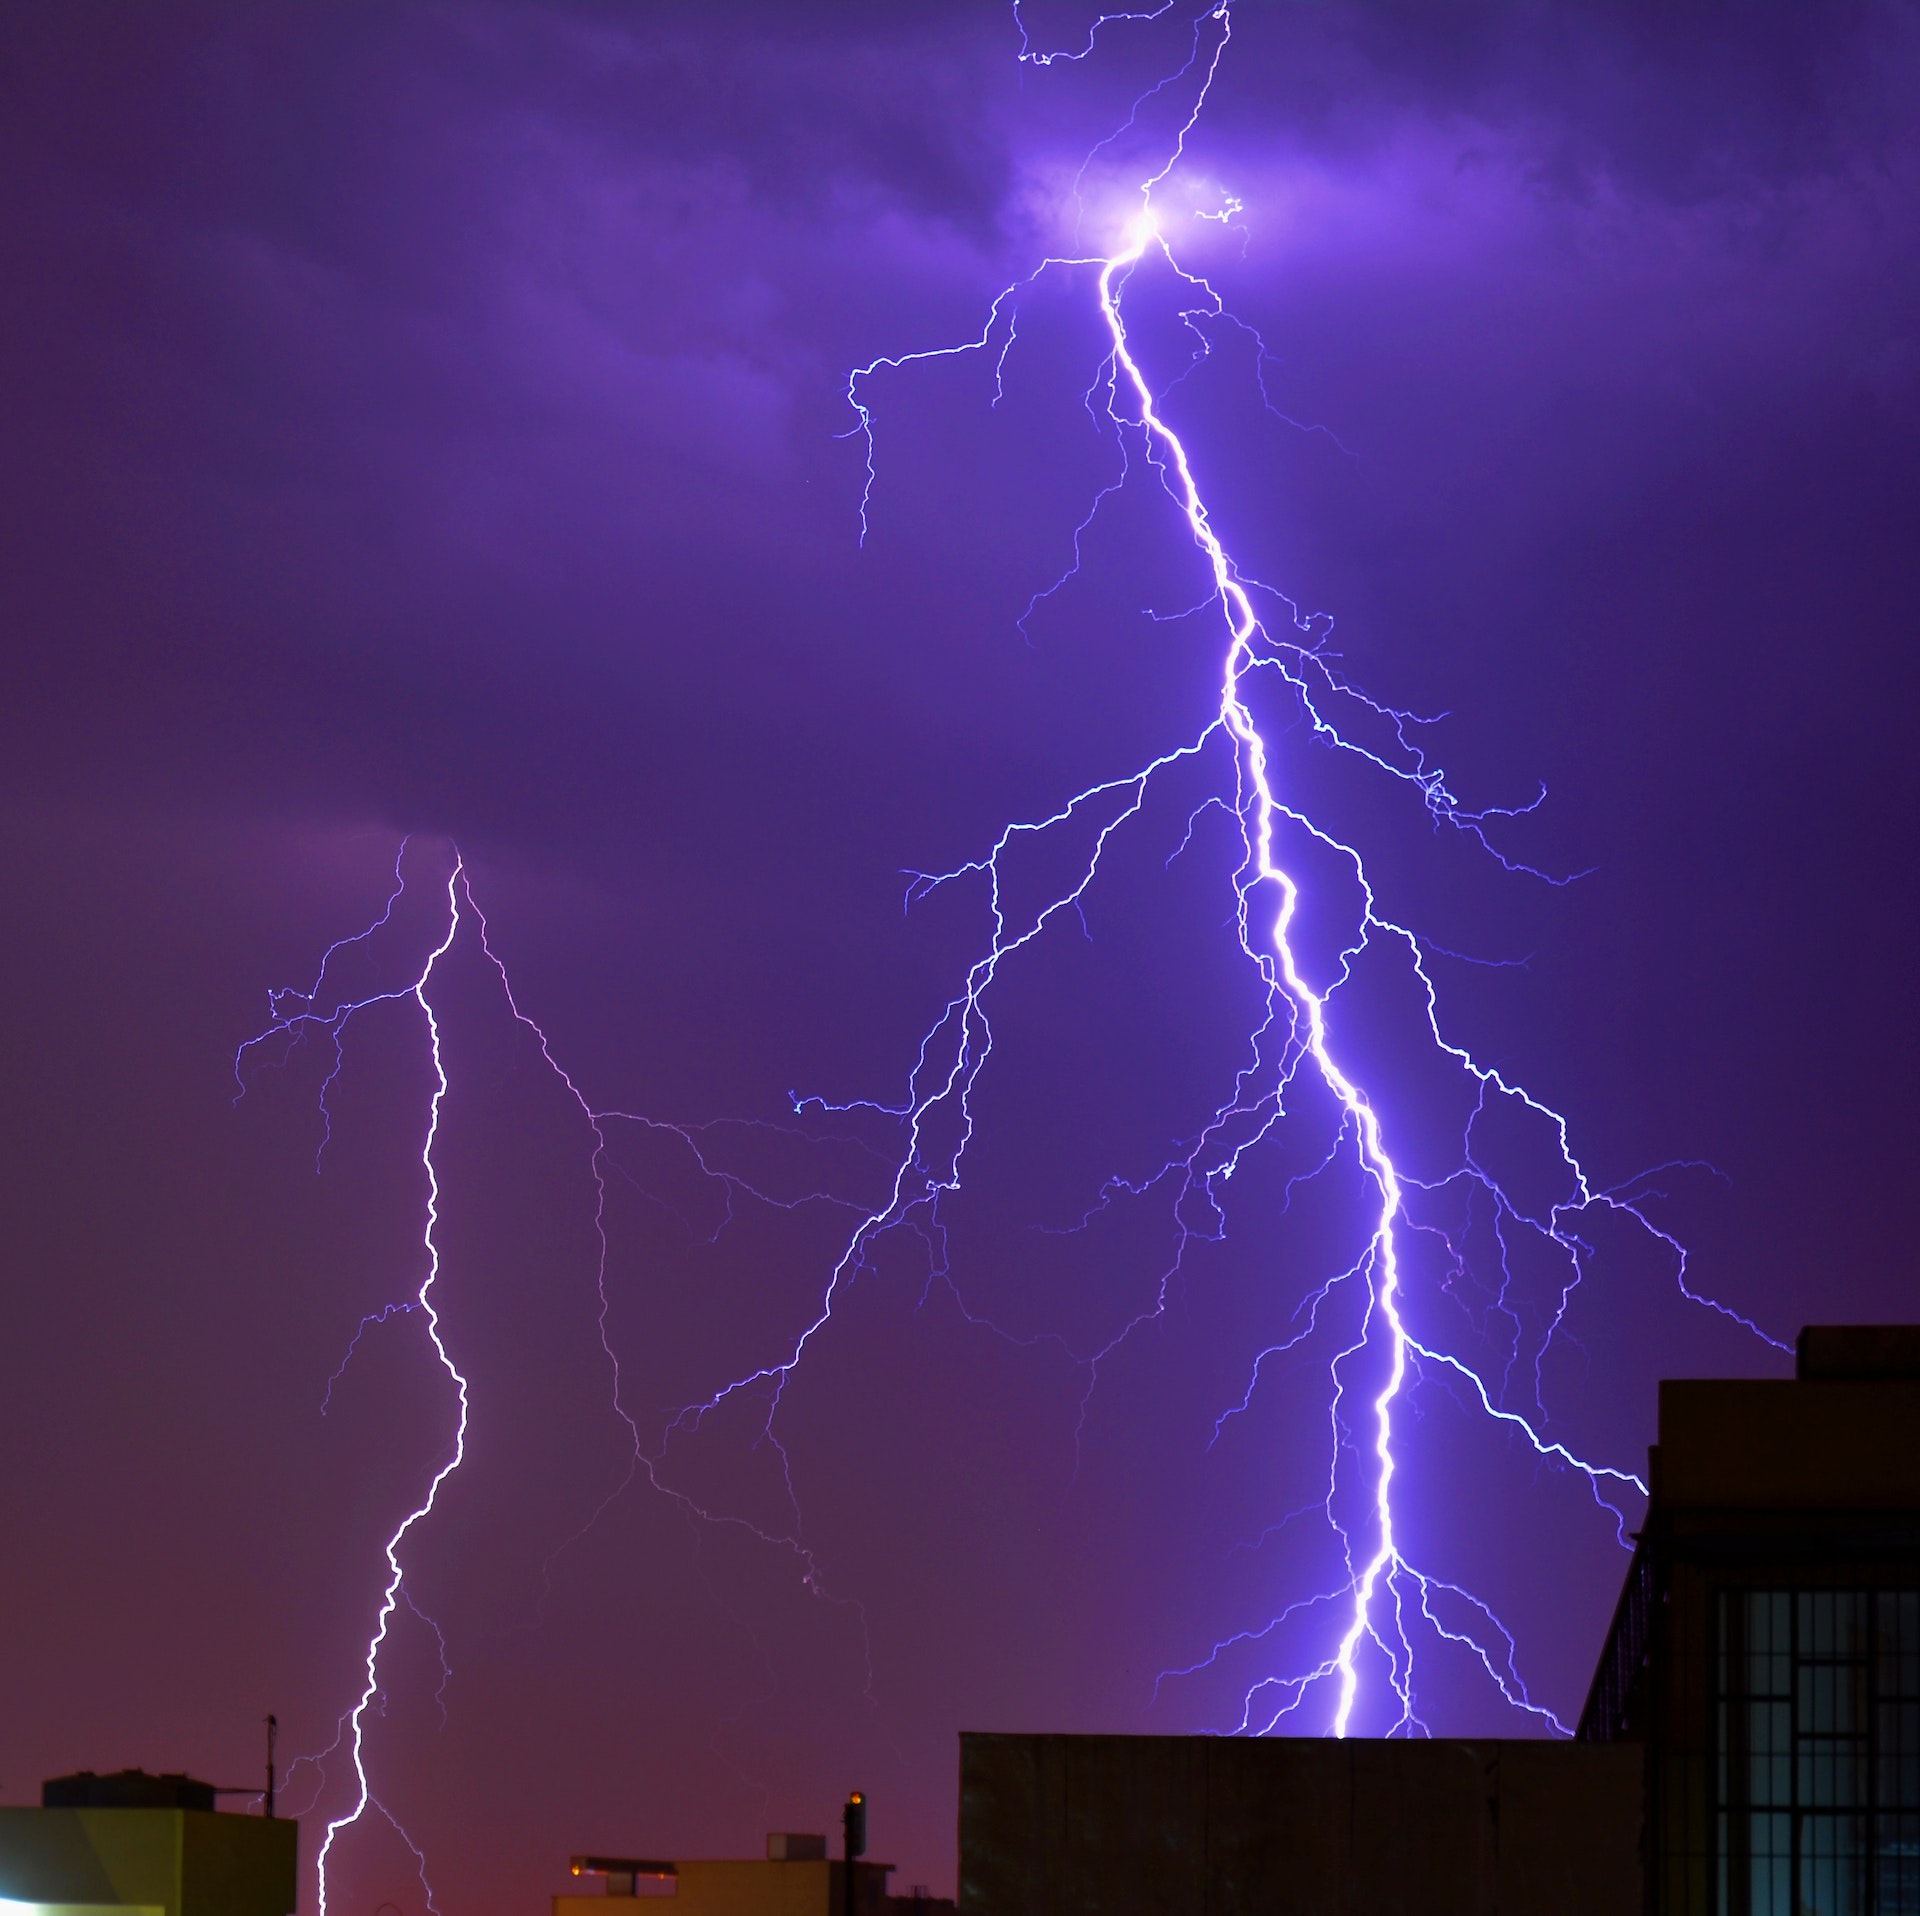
(1385, 1603)
(323, 1013)
(297, 1015)
(1298, 1033)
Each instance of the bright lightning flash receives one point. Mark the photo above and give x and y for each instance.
(297, 1015)
(1385, 1602)
(1385, 1592)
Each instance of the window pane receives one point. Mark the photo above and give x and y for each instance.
(1769, 1643)
(1897, 1867)
(1832, 1872)
(1897, 1756)
(1898, 1634)
(1832, 1696)
(1771, 1867)
(1816, 1623)
(1818, 1753)
(1833, 1774)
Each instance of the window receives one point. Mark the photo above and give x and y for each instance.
(1818, 1747)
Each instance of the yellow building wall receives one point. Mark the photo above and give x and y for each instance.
(14, 1907)
(179, 1862)
(11, 1906)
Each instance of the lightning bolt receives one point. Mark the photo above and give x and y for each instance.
(1295, 1059)
(1384, 1593)
(322, 1013)
(295, 1017)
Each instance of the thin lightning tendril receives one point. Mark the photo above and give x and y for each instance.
(392, 1596)
(1384, 1600)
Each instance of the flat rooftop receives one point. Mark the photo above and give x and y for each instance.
(1839, 1435)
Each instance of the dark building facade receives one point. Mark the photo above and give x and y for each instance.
(1766, 1649)
(1750, 1745)
(1249, 1826)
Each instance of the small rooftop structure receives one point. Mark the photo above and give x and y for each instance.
(1857, 1353)
(787, 1846)
(796, 1878)
(135, 1844)
(623, 1874)
(126, 1790)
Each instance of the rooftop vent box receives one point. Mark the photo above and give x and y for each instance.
(124, 1790)
(785, 1846)
(1858, 1352)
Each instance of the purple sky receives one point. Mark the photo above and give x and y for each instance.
(429, 421)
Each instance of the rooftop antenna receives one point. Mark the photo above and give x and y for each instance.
(273, 1733)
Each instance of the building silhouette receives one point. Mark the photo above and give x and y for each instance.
(132, 1843)
(1766, 1649)
(1182, 1825)
(1750, 1745)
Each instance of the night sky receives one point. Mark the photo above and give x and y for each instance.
(428, 424)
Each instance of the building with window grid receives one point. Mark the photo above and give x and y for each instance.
(1750, 1745)
(1766, 1649)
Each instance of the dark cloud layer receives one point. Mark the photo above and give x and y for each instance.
(431, 421)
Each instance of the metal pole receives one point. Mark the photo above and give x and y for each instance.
(273, 1731)
(853, 1825)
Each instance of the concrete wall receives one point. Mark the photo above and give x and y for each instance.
(1215, 1826)
(184, 1862)
(1812, 1444)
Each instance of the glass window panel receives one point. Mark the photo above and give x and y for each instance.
(1816, 1623)
(1832, 1858)
(1819, 1691)
(1900, 1675)
(1832, 1696)
(1816, 1700)
(1905, 1619)
(1832, 1775)
(1897, 1867)
(1767, 1619)
(1892, 1627)
(1770, 1867)
(1769, 1644)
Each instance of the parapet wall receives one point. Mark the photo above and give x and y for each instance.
(1218, 1826)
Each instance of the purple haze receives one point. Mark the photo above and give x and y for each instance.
(425, 423)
